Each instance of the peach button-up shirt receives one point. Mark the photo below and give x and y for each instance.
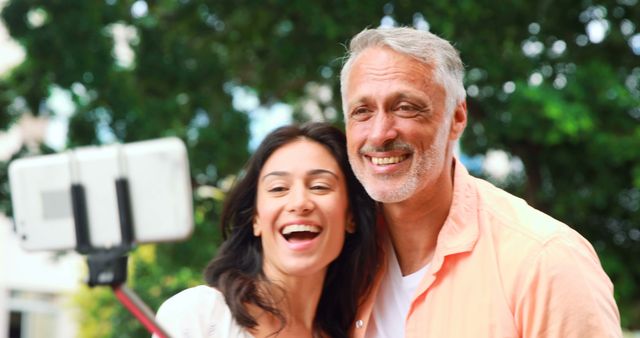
(503, 269)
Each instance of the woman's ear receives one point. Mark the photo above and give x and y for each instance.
(257, 231)
(350, 227)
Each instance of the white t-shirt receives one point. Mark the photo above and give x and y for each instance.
(199, 312)
(393, 300)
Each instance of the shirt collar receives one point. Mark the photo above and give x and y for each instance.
(461, 229)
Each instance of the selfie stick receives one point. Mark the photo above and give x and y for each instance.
(108, 266)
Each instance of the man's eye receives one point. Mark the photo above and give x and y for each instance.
(407, 110)
(407, 107)
(360, 113)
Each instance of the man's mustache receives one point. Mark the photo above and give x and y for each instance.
(394, 145)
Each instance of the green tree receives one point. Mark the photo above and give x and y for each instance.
(541, 88)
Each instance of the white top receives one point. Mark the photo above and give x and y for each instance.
(393, 300)
(199, 312)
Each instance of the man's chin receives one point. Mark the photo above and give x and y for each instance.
(386, 194)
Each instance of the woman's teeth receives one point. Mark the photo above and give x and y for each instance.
(300, 228)
(300, 232)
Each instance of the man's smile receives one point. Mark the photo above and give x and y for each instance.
(387, 160)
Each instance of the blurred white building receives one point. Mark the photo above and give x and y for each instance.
(35, 290)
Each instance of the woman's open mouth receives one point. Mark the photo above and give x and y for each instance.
(300, 232)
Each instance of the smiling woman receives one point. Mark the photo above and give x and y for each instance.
(302, 212)
(300, 247)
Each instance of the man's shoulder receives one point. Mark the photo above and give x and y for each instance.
(503, 212)
(521, 236)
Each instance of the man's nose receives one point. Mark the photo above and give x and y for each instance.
(382, 129)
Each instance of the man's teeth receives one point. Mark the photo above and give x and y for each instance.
(387, 160)
(300, 228)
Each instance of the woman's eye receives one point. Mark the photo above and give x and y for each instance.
(277, 189)
(320, 187)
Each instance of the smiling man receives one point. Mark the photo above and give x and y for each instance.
(463, 258)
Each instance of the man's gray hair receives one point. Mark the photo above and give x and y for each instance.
(421, 45)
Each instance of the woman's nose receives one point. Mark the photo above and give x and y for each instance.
(299, 201)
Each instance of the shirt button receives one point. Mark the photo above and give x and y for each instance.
(359, 323)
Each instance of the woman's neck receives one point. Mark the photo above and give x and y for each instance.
(298, 305)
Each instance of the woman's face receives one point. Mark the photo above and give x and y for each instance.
(301, 210)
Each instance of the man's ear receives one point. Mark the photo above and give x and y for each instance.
(458, 121)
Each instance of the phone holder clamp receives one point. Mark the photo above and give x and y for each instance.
(108, 266)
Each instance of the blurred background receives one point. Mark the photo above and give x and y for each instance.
(554, 117)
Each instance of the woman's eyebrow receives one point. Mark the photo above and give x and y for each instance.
(316, 172)
(275, 173)
(313, 172)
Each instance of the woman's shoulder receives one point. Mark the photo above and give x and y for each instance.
(198, 298)
(199, 311)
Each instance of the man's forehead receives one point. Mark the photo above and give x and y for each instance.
(385, 55)
(393, 74)
(385, 64)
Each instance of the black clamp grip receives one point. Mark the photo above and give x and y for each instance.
(107, 266)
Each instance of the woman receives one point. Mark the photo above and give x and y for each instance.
(299, 249)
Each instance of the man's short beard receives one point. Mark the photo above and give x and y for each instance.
(388, 194)
(394, 194)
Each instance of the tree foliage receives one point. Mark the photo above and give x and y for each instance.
(540, 88)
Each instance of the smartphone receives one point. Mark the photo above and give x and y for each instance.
(160, 194)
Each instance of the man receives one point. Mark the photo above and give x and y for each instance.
(463, 258)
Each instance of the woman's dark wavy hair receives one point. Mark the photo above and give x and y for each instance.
(237, 269)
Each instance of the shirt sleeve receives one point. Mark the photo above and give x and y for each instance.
(566, 293)
(176, 316)
(189, 313)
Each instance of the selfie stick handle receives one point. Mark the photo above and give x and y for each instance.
(139, 309)
(108, 266)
